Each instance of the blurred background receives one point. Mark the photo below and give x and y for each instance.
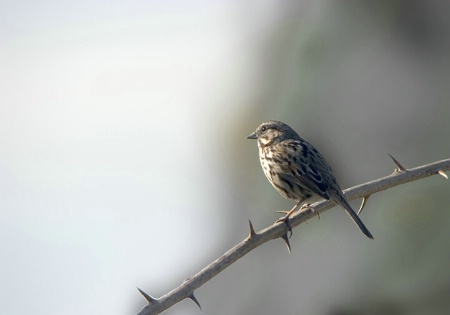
(124, 163)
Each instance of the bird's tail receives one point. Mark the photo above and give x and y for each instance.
(341, 200)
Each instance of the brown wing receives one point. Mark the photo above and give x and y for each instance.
(304, 165)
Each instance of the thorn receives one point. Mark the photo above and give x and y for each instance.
(149, 298)
(286, 240)
(363, 204)
(400, 167)
(194, 299)
(252, 231)
(442, 173)
(282, 211)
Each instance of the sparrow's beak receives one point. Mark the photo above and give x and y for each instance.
(253, 136)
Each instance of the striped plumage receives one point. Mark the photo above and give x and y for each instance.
(296, 169)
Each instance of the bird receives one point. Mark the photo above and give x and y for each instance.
(297, 170)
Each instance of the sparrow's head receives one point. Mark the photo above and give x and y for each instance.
(272, 131)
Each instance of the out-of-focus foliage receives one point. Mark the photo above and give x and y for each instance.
(359, 79)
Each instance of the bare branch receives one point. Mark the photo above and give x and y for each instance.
(187, 288)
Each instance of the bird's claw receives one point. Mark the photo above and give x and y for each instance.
(307, 206)
(285, 219)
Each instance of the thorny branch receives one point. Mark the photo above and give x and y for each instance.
(253, 240)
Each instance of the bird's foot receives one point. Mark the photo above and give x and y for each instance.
(307, 206)
(285, 219)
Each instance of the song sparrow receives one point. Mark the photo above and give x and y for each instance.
(297, 170)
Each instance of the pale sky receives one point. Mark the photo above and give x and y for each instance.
(100, 102)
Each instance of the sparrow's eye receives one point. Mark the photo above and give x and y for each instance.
(263, 128)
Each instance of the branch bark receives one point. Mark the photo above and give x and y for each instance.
(187, 288)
